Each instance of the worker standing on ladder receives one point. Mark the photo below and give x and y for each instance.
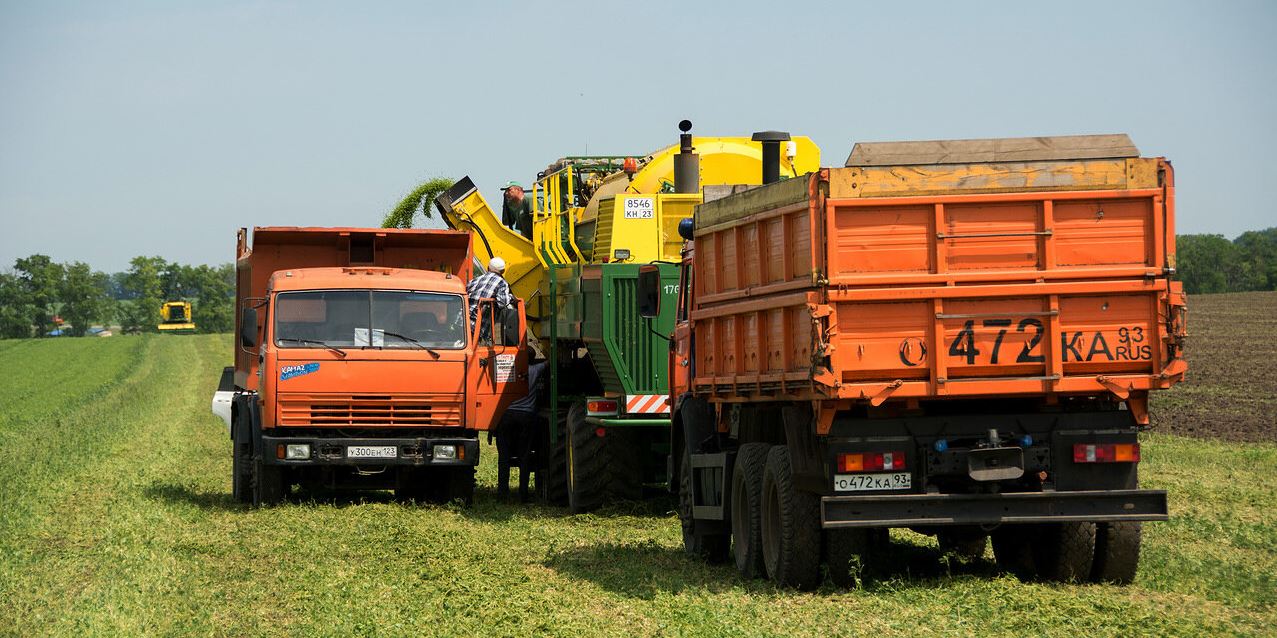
(516, 210)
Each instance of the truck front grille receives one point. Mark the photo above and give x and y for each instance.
(370, 411)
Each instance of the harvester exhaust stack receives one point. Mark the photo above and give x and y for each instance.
(771, 153)
(687, 164)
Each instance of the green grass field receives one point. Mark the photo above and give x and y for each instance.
(116, 519)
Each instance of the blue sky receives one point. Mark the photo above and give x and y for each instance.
(159, 128)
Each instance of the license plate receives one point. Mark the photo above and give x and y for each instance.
(869, 482)
(371, 452)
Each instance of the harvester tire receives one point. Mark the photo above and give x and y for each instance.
(711, 547)
(1117, 552)
(268, 484)
(624, 470)
(241, 461)
(747, 509)
(791, 526)
(587, 462)
(552, 476)
(1065, 552)
(1013, 550)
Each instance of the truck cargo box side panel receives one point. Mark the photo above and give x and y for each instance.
(970, 238)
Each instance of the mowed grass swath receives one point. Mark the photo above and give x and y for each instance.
(117, 519)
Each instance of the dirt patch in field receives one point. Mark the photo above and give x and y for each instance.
(1231, 389)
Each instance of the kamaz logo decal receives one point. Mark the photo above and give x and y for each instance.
(288, 372)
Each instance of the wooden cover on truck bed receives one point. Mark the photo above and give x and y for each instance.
(996, 279)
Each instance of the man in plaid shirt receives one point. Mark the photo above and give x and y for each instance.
(490, 285)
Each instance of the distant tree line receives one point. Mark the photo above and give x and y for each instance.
(1211, 263)
(37, 291)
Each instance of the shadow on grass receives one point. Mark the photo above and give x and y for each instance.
(183, 495)
(488, 505)
(645, 570)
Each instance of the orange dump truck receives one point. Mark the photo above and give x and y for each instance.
(954, 337)
(357, 364)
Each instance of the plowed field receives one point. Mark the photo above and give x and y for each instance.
(1231, 389)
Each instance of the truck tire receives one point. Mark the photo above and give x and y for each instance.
(623, 478)
(791, 525)
(1117, 552)
(241, 461)
(1065, 552)
(747, 509)
(268, 483)
(455, 484)
(965, 543)
(552, 476)
(854, 555)
(711, 547)
(586, 463)
(1013, 550)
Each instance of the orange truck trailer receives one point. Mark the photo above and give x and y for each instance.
(357, 364)
(954, 337)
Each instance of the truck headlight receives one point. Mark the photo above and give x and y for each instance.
(297, 451)
(447, 452)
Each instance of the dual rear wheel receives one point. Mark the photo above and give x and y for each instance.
(776, 532)
(1070, 552)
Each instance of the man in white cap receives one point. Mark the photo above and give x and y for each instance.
(490, 285)
(516, 210)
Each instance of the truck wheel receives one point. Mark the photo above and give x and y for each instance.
(712, 547)
(587, 462)
(852, 555)
(268, 484)
(552, 476)
(747, 509)
(456, 484)
(1117, 552)
(623, 475)
(791, 525)
(410, 485)
(966, 544)
(1013, 550)
(1065, 552)
(241, 462)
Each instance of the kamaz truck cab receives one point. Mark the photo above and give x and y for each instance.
(358, 364)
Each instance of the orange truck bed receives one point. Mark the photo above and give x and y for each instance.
(884, 282)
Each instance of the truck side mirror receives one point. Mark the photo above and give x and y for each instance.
(649, 291)
(248, 328)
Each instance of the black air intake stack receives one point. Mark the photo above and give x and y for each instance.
(687, 164)
(771, 153)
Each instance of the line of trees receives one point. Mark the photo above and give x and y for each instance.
(1211, 263)
(37, 291)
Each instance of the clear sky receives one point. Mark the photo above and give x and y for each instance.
(159, 128)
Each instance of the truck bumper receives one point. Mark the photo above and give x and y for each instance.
(912, 510)
(415, 451)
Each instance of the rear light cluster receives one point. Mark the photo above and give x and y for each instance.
(596, 407)
(1106, 453)
(871, 461)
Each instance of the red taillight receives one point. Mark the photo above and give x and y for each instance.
(871, 461)
(1106, 453)
(600, 406)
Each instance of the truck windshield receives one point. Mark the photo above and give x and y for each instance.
(369, 318)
